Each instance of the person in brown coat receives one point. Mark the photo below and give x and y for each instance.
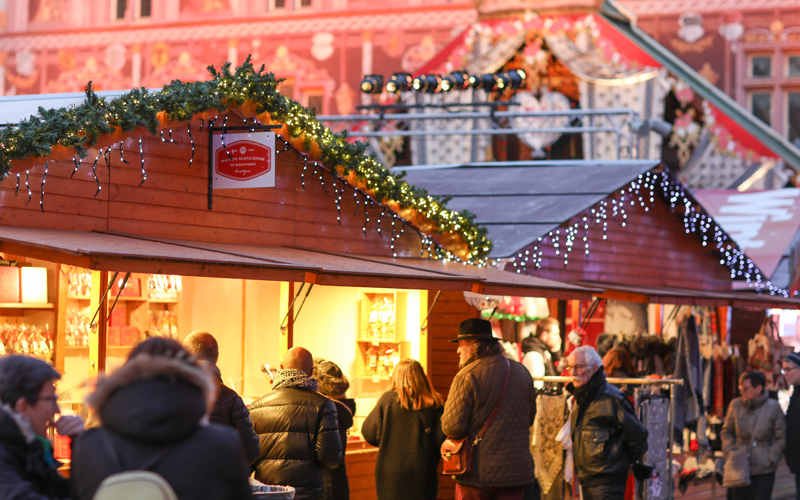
(755, 421)
(501, 463)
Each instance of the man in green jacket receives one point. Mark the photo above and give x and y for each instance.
(607, 438)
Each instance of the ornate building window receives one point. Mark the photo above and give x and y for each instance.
(768, 77)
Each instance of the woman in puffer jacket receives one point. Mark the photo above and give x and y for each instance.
(157, 405)
(755, 421)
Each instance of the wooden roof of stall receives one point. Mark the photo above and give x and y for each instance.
(286, 233)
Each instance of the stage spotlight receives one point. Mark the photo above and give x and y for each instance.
(372, 84)
(399, 82)
(429, 84)
(488, 82)
(518, 78)
(456, 80)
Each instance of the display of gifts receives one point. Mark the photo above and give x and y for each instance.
(164, 322)
(33, 281)
(9, 284)
(118, 315)
(381, 321)
(77, 330)
(164, 286)
(80, 281)
(132, 288)
(26, 339)
(129, 335)
(114, 336)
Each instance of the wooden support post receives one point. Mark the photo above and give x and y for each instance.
(423, 334)
(98, 337)
(287, 331)
(60, 326)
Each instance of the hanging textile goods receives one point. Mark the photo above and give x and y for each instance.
(655, 493)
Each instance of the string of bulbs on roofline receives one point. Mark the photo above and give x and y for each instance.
(642, 192)
(434, 84)
(427, 244)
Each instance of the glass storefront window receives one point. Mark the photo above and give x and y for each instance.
(793, 114)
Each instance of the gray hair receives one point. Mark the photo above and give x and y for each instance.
(590, 356)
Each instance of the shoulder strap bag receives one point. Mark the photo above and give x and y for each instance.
(457, 453)
(736, 471)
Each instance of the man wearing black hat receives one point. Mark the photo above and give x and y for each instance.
(501, 461)
(791, 370)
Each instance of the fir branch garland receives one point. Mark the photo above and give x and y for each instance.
(80, 127)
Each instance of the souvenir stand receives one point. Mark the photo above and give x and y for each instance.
(111, 220)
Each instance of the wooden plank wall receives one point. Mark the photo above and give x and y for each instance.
(172, 202)
(653, 249)
(450, 310)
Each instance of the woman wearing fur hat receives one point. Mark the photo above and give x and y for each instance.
(28, 407)
(157, 405)
(334, 384)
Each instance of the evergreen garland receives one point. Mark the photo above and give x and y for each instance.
(80, 127)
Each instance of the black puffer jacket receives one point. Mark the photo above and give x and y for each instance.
(155, 402)
(229, 409)
(792, 450)
(24, 473)
(606, 435)
(334, 481)
(299, 434)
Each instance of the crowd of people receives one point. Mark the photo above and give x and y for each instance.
(165, 420)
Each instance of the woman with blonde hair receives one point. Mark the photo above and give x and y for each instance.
(406, 427)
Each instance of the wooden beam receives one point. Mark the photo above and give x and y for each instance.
(626, 296)
(60, 327)
(98, 336)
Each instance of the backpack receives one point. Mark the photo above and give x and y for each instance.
(137, 484)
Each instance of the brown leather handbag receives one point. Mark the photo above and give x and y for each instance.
(457, 453)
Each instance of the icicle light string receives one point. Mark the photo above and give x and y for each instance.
(28, 184)
(44, 178)
(141, 157)
(94, 171)
(305, 167)
(642, 192)
(380, 218)
(121, 154)
(77, 164)
(222, 137)
(202, 124)
(16, 189)
(191, 139)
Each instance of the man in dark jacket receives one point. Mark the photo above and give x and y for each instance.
(607, 438)
(229, 408)
(791, 370)
(298, 428)
(28, 470)
(542, 349)
(502, 465)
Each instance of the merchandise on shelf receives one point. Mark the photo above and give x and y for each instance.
(80, 281)
(164, 286)
(381, 322)
(165, 323)
(77, 331)
(26, 339)
(381, 360)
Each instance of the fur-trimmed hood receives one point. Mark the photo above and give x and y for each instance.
(154, 398)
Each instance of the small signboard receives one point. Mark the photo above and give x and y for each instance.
(249, 161)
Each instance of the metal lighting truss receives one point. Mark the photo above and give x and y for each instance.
(414, 121)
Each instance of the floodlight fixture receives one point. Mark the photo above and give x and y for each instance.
(372, 84)
(399, 82)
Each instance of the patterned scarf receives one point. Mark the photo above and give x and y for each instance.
(292, 378)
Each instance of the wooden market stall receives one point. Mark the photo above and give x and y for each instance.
(132, 240)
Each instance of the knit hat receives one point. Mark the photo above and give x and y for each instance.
(793, 357)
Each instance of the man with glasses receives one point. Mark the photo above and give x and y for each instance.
(791, 370)
(28, 407)
(607, 438)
